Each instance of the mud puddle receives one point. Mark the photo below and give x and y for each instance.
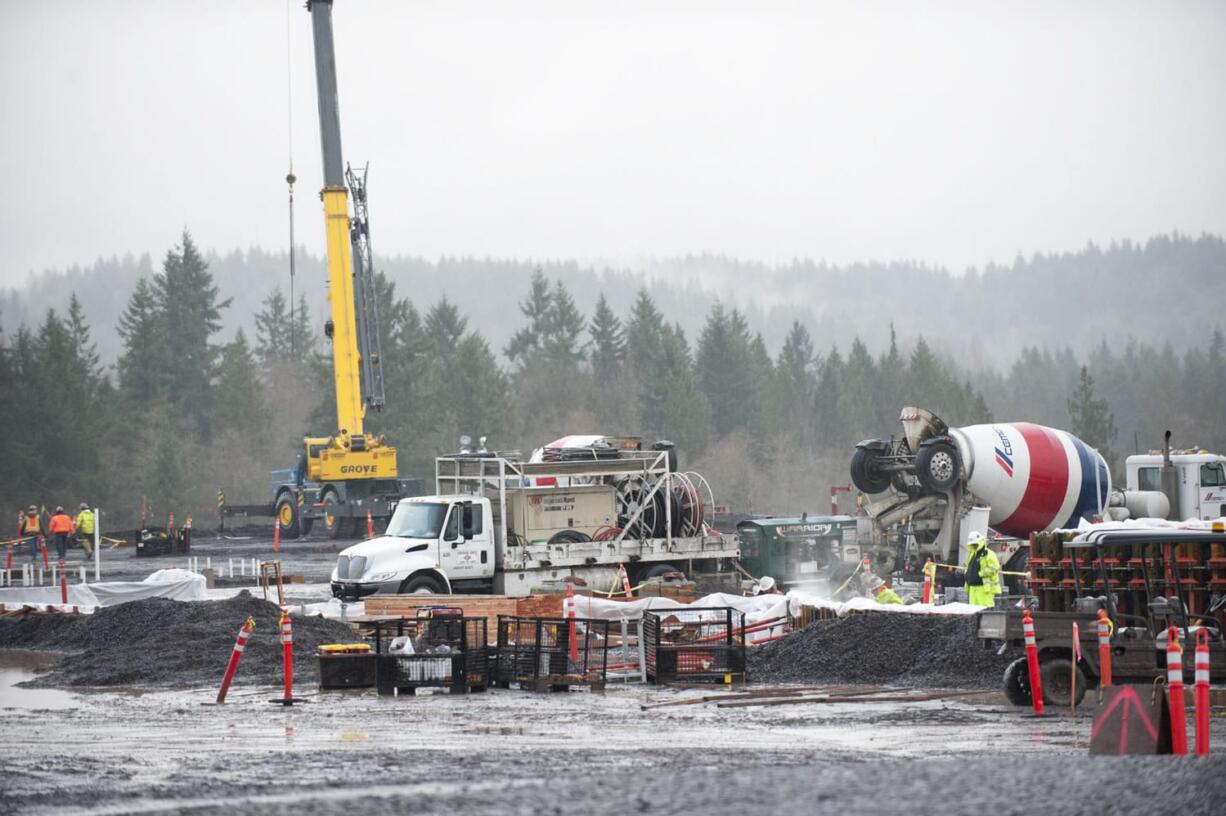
(18, 667)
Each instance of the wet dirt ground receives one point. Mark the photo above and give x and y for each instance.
(513, 752)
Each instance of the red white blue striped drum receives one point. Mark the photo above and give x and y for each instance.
(1034, 478)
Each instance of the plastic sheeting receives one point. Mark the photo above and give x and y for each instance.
(333, 609)
(177, 584)
(759, 607)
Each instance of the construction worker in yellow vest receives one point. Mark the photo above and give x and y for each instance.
(85, 528)
(881, 593)
(982, 571)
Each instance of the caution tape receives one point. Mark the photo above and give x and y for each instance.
(952, 567)
(854, 573)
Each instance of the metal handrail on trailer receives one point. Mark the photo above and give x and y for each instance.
(1097, 540)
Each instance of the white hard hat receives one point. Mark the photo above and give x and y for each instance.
(766, 583)
(975, 537)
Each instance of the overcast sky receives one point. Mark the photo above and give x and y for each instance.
(952, 132)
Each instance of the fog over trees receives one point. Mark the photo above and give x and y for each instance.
(133, 379)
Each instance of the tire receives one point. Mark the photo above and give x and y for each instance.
(937, 465)
(1055, 676)
(333, 524)
(657, 571)
(1020, 562)
(864, 474)
(421, 585)
(1017, 682)
(288, 516)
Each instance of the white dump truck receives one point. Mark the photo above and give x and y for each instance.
(501, 525)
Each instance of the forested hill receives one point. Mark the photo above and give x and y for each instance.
(1170, 289)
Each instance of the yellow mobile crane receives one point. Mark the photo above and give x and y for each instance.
(341, 478)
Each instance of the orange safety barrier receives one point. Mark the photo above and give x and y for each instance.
(1174, 684)
(1032, 663)
(239, 645)
(572, 635)
(1104, 648)
(1202, 693)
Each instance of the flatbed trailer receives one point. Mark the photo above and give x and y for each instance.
(1146, 580)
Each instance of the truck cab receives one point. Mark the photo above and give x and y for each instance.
(1199, 483)
(433, 544)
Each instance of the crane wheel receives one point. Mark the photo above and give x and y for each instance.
(334, 524)
(288, 516)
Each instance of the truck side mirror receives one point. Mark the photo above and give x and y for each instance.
(467, 520)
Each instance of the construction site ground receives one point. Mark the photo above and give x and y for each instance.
(515, 752)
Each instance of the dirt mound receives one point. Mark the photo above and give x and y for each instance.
(163, 643)
(931, 651)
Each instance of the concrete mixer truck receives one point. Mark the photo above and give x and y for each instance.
(934, 485)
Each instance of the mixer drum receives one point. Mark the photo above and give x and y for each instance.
(1034, 478)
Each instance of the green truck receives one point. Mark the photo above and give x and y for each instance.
(799, 553)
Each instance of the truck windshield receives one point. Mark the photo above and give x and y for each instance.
(417, 520)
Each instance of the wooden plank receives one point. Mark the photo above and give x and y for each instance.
(886, 698)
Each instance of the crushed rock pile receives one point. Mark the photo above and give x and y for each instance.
(164, 643)
(929, 651)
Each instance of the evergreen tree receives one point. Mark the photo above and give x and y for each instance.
(563, 328)
(795, 387)
(444, 329)
(1091, 417)
(242, 405)
(273, 328)
(139, 378)
(189, 314)
(536, 308)
(608, 342)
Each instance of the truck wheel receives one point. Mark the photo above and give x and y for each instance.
(287, 516)
(334, 524)
(1020, 562)
(1055, 674)
(1017, 682)
(864, 473)
(937, 465)
(657, 571)
(421, 585)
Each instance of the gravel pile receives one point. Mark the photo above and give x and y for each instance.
(163, 643)
(929, 651)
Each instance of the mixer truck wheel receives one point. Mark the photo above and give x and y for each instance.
(1017, 682)
(864, 473)
(937, 465)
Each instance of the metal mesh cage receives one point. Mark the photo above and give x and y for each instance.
(536, 652)
(441, 650)
(695, 645)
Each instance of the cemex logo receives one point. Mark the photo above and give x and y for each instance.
(1004, 454)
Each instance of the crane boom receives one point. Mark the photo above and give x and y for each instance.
(350, 453)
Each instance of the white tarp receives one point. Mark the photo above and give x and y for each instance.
(843, 608)
(332, 609)
(1196, 525)
(178, 584)
(759, 607)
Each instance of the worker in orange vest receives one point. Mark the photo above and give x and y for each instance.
(30, 528)
(60, 528)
